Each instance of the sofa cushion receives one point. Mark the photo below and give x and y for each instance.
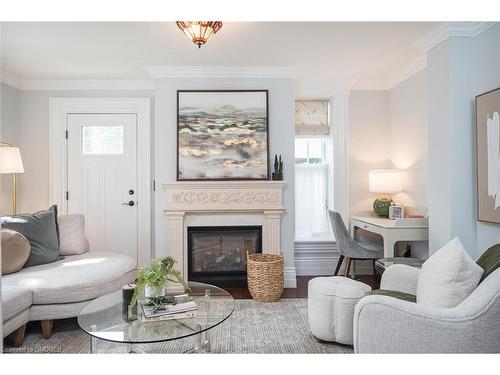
(16, 250)
(448, 276)
(489, 261)
(393, 293)
(41, 231)
(14, 300)
(72, 235)
(74, 278)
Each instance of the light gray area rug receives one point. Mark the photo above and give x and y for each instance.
(255, 327)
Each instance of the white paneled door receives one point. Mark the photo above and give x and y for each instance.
(102, 179)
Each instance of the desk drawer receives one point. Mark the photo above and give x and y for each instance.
(365, 226)
(368, 227)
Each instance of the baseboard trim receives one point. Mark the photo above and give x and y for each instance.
(290, 277)
(320, 259)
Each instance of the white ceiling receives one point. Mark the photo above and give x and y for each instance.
(347, 53)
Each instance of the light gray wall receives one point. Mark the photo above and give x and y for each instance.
(34, 140)
(368, 145)
(281, 141)
(407, 106)
(487, 78)
(408, 127)
(458, 70)
(9, 133)
(388, 129)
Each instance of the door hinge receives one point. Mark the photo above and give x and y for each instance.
(67, 195)
(154, 185)
(66, 134)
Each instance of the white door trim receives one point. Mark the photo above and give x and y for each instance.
(59, 108)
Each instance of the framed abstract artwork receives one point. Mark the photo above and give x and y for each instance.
(222, 135)
(488, 156)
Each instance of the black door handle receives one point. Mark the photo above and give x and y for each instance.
(129, 203)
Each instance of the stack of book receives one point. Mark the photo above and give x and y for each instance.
(167, 308)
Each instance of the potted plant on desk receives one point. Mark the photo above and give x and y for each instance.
(153, 278)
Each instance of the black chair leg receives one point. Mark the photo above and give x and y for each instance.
(339, 263)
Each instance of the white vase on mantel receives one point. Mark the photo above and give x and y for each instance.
(152, 291)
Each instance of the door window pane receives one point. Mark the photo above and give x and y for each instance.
(102, 140)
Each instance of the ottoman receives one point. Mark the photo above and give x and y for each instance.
(331, 302)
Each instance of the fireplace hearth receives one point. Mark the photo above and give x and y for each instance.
(217, 255)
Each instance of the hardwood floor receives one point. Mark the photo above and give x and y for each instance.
(301, 290)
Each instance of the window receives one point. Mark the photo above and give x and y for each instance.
(311, 183)
(102, 140)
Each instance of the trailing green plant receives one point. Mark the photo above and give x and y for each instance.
(156, 275)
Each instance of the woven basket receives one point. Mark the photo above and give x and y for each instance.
(265, 275)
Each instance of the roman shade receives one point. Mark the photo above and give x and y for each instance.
(312, 117)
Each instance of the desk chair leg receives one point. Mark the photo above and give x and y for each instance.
(339, 263)
(347, 267)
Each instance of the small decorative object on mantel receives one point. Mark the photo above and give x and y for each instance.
(153, 278)
(278, 168)
(396, 212)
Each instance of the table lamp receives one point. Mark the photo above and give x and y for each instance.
(384, 181)
(11, 163)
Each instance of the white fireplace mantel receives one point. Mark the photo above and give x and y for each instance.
(183, 199)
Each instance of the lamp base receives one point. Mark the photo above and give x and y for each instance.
(381, 205)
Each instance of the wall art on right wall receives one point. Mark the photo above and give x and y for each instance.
(488, 156)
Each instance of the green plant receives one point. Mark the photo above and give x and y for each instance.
(156, 274)
(278, 164)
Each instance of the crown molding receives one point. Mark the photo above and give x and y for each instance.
(87, 84)
(406, 72)
(450, 29)
(158, 72)
(76, 84)
(10, 79)
(394, 79)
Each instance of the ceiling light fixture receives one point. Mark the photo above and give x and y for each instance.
(199, 31)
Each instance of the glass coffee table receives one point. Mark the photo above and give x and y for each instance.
(106, 319)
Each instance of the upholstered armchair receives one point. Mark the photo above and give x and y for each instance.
(384, 324)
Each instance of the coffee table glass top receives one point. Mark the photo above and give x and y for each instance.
(104, 318)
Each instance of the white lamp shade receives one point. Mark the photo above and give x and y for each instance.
(10, 160)
(384, 181)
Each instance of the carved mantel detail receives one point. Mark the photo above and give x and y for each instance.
(191, 197)
(200, 197)
(224, 195)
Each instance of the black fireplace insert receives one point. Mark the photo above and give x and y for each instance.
(218, 255)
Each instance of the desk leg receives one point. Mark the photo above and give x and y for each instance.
(389, 247)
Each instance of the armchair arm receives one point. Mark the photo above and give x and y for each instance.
(388, 325)
(401, 278)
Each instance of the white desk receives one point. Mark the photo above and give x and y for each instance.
(392, 231)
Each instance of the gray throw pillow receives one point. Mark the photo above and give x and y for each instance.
(41, 231)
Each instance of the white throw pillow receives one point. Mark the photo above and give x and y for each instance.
(72, 240)
(448, 276)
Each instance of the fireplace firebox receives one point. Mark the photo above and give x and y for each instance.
(218, 255)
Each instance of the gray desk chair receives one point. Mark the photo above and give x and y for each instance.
(351, 249)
